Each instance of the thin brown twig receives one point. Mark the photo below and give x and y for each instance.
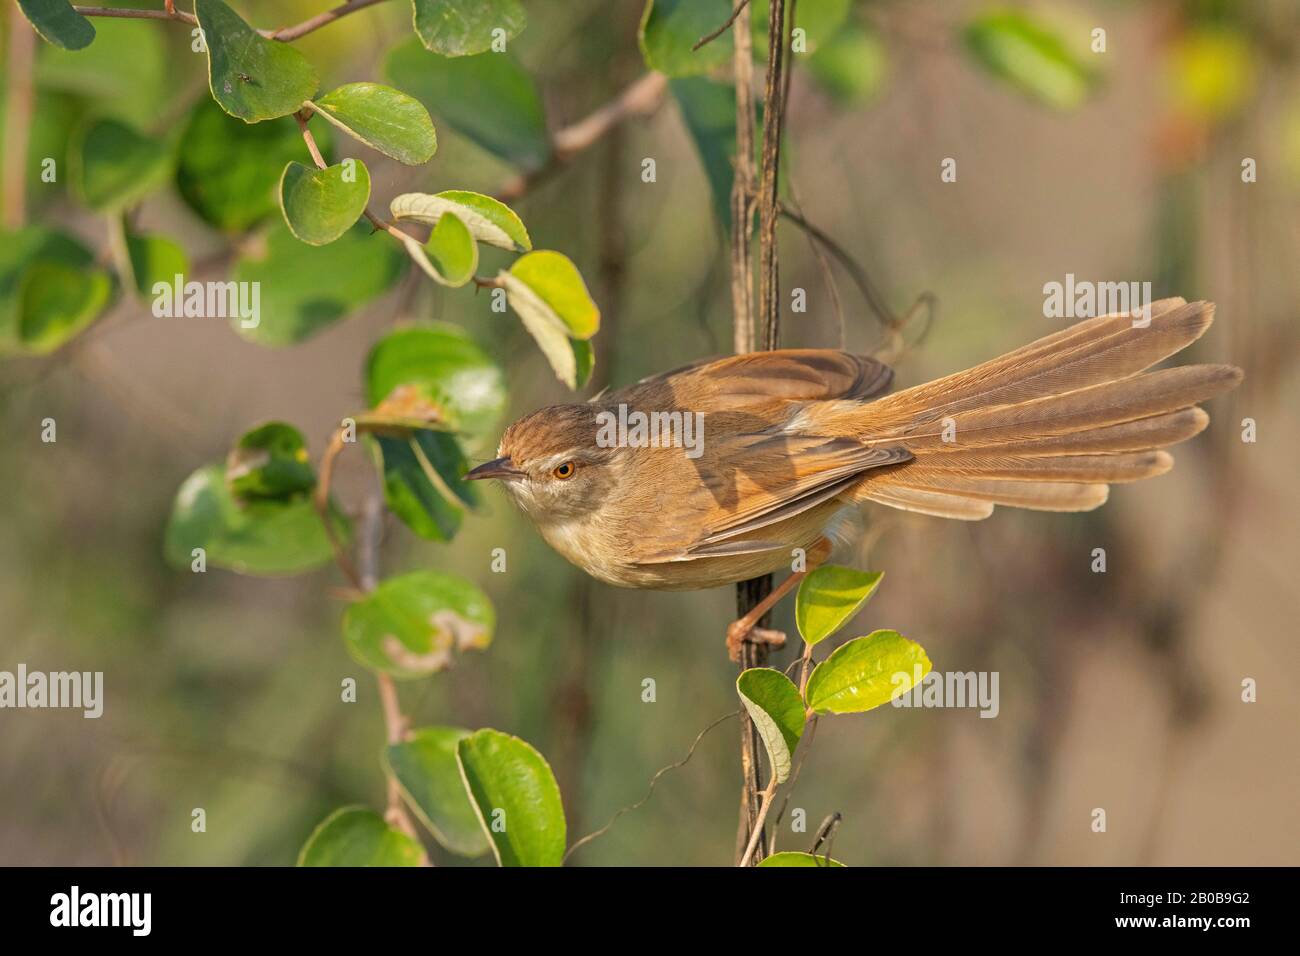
(651, 789)
(302, 117)
(769, 279)
(748, 593)
(321, 498)
(640, 98)
(19, 103)
(710, 37)
(757, 829)
(285, 34)
(395, 723)
(289, 34)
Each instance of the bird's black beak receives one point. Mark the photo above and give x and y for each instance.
(497, 468)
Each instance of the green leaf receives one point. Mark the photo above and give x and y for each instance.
(775, 707)
(792, 858)
(489, 220)
(425, 767)
(58, 23)
(709, 110)
(250, 76)
(490, 99)
(818, 19)
(306, 288)
(113, 166)
(59, 301)
(584, 361)
(516, 797)
(547, 292)
(380, 116)
(357, 836)
(465, 27)
(1025, 54)
(270, 462)
(20, 250)
(446, 364)
(554, 280)
(260, 537)
(410, 625)
(450, 255)
(669, 28)
(422, 472)
(229, 172)
(155, 259)
(829, 596)
(865, 673)
(320, 205)
(124, 72)
(851, 65)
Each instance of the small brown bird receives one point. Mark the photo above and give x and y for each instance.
(787, 440)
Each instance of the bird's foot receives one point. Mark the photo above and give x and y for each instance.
(738, 632)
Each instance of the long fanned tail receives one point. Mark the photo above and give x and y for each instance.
(1049, 426)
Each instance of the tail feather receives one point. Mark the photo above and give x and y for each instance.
(1049, 426)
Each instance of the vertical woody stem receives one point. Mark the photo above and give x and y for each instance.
(748, 188)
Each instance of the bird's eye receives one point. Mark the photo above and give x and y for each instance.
(564, 470)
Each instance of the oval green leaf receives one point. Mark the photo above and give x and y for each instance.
(59, 301)
(357, 836)
(669, 28)
(489, 220)
(423, 486)
(306, 288)
(793, 858)
(547, 329)
(155, 259)
(466, 27)
(124, 72)
(777, 711)
(270, 463)
(450, 255)
(1020, 51)
(258, 537)
(555, 281)
(229, 172)
(425, 767)
(851, 65)
(250, 76)
(448, 366)
(865, 673)
(58, 23)
(490, 100)
(113, 165)
(20, 250)
(516, 798)
(320, 205)
(395, 124)
(410, 625)
(829, 596)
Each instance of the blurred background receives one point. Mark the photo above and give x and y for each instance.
(1119, 691)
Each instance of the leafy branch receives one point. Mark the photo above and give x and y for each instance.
(286, 34)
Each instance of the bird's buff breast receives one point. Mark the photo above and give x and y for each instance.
(581, 542)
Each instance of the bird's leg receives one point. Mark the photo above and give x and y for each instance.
(746, 628)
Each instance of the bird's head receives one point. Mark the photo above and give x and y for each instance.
(552, 466)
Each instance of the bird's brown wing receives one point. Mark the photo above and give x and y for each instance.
(746, 482)
(758, 380)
